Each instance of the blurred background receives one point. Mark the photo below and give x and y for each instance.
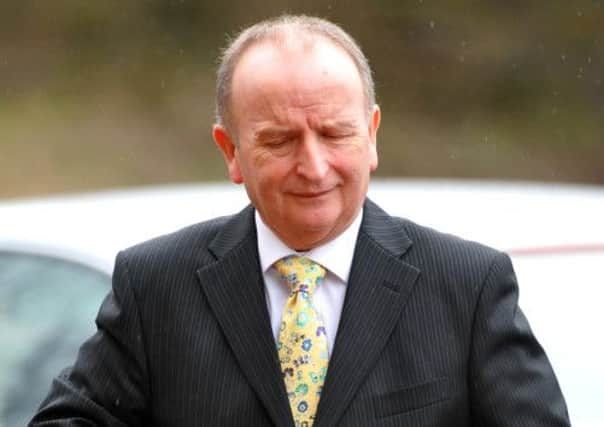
(98, 94)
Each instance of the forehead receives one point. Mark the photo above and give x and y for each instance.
(303, 72)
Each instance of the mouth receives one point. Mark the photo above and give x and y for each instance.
(310, 194)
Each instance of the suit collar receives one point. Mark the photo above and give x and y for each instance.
(376, 224)
(335, 255)
(380, 284)
(237, 229)
(386, 231)
(234, 288)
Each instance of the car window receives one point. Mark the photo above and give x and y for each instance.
(47, 309)
(561, 294)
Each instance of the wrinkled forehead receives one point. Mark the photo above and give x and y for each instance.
(291, 44)
(296, 72)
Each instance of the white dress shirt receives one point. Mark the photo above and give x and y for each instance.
(328, 299)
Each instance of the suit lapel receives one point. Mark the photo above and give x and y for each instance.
(378, 287)
(234, 288)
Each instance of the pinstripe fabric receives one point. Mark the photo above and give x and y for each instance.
(430, 335)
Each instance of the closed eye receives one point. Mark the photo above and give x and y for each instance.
(337, 135)
(338, 130)
(275, 137)
(277, 142)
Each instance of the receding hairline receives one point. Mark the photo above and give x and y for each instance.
(287, 50)
(281, 31)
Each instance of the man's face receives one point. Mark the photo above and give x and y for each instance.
(305, 142)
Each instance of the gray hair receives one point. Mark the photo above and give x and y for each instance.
(274, 29)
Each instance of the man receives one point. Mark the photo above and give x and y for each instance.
(411, 327)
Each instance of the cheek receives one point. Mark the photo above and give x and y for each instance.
(267, 177)
(273, 168)
(353, 165)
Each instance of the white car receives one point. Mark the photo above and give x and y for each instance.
(56, 257)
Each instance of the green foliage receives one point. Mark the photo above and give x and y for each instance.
(99, 93)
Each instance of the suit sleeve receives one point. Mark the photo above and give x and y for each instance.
(107, 386)
(512, 382)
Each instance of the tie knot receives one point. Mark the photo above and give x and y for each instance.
(301, 273)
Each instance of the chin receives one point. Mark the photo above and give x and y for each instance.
(312, 229)
(316, 218)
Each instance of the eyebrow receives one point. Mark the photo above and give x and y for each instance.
(339, 125)
(274, 132)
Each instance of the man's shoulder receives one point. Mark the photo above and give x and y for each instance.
(438, 239)
(449, 260)
(423, 239)
(440, 252)
(189, 244)
(194, 234)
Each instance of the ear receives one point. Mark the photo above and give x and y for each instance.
(374, 124)
(223, 140)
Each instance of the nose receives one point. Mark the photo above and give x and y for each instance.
(312, 162)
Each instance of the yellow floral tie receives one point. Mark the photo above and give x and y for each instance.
(302, 343)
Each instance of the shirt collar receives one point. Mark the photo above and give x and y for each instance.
(335, 255)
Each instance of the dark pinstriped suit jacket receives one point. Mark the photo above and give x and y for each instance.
(430, 335)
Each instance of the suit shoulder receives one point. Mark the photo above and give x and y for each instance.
(449, 252)
(427, 235)
(419, 241)
(188, 241)
(455, 264)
